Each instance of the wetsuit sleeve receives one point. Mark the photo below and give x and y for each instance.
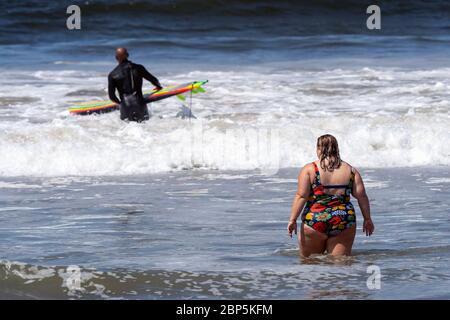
(112, 90)
(149, 77)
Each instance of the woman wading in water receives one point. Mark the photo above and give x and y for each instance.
(323, 199)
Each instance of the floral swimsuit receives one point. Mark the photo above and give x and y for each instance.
(329, 213)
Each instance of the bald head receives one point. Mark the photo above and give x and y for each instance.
(121, 54)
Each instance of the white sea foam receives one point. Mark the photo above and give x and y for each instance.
(10, 185)
(246, 120)
(438, 181)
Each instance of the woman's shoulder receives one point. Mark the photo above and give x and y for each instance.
(307, 168)
(352, 168)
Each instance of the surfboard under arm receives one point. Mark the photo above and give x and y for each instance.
(149, 96)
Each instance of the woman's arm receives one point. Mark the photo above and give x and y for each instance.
(300, 198)
(359, 192)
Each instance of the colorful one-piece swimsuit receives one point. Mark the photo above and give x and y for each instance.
(327, 213)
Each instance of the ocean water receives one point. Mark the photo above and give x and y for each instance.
(215, 235)
(174, 208)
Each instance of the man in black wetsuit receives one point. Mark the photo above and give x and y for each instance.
(127, 79)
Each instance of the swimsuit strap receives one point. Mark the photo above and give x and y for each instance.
(317, 174)
(336, 186)
(316, 168)
(352, 178)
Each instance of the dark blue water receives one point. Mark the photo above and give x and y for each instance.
(223, 32)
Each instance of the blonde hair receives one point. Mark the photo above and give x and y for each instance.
(328, 148)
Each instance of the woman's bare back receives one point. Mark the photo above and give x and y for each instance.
(338, 177)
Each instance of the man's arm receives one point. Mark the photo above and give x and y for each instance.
(112, 90)
(149, 77)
